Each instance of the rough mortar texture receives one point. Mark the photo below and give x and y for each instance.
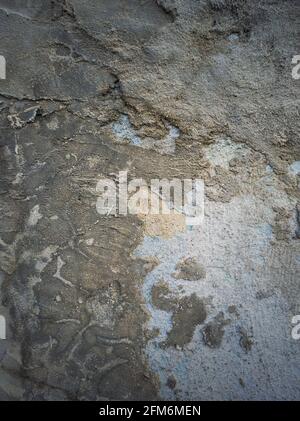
(144, 307)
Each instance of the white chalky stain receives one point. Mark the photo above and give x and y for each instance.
(125, 132)
(294, 168)
(34, 216)
(60, 264)
(233, 245)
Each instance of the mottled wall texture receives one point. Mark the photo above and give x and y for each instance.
(136, 307)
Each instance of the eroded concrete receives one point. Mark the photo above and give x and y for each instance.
(144, 307)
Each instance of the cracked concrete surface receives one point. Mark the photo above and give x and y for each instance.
(104, 307)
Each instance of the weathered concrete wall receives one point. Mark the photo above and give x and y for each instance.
(128, 307)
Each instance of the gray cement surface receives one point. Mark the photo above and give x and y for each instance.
(143, 307)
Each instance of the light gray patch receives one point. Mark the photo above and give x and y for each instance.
(294, 168)
(125, 132)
